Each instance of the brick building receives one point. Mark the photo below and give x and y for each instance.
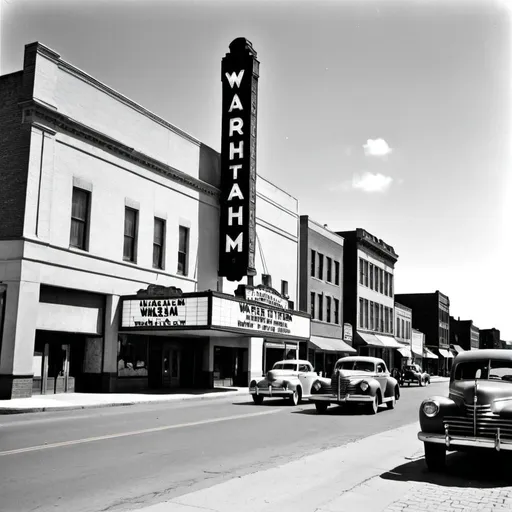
(491, 338)
(109, 247)
(464, 335)
(321, 294)
(431, 315)
(368, 294)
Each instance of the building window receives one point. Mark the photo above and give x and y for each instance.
(79, 218)
(361, 313)
(386, 320)
(386, 283)
(381, 279)
(328, 262)
(284, 288)
(336, 272)
(130, 234)
(371, 276)
(328, 309)
(371, 315)
(336, 311)
(320, 307)
(366, 313)
(183, 251)
(365, 273)
(391, 285)
(158, 243)
(313, 263)
(320, 266)
(132, 356)
(312, 305)
(361, 271)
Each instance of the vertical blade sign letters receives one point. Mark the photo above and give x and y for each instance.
(240, 73)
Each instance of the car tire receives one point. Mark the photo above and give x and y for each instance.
(257, 399)
(321, 408)
(295, 398)
(373, 407)
(392, 403)
(435, 456)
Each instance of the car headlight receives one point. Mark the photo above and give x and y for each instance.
(364, 385)
(430, 408)
(317, 386)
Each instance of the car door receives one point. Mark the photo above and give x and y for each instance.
(382, 377)
(306, 377)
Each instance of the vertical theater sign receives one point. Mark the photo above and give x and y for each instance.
(240, 72)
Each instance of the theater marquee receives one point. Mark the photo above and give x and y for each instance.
(211, 311)
(240, 72)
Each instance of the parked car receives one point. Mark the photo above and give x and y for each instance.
(412, 373)
(357, 380)
(477, 413)
(291, 379)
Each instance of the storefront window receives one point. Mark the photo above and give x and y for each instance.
(132, 356)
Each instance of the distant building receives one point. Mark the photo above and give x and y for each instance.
(418, 350)
(491, 338)
(403, 332)
(321, 294)
(431, 315)
(464, 335)
(368, 293)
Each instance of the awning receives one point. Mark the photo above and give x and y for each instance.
(370, 339)
(446, 353)
(427, 353)
(389, 341)
(331, 344)
(417, 354)
(405, 351)
(458, 349)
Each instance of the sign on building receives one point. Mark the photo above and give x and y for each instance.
(240, 72)
(165, 312)
(347, 332)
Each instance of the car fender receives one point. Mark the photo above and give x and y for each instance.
(391, 384)
(374, 386)
(447, 407)
(292, 383)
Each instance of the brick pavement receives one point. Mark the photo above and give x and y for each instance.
(430, 497)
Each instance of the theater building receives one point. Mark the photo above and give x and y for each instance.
(111, 239)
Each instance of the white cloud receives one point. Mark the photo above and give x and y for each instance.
(370, 183)
(377, 147)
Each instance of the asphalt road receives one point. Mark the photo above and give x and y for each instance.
(127, 457)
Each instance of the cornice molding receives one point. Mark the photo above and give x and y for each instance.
(39, 115)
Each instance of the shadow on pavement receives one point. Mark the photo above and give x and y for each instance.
(337, 410)
(481, 470)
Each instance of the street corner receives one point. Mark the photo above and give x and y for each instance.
(470, 482)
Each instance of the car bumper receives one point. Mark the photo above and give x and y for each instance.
(331, 399)
(271, 392)
(460, 442)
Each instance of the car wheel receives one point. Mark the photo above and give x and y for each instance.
(321, 408)
(295, 398)
(392, 403)
(373, 407)
(258, 399)
(435, 456)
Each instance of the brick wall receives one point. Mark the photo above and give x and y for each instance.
(14, 153)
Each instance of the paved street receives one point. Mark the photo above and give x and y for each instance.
(128, 457)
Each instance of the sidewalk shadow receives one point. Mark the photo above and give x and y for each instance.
(482, 470)
(339, 410)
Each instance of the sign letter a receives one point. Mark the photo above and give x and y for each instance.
(234, 244)
(235, 79)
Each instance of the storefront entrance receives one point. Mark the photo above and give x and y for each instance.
(230, 366)
(58, 363)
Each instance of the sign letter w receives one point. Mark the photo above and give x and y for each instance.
(235, 79)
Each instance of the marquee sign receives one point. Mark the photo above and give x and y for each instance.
(240, 73)
(165, 312)
(263, 294)
(259, 319)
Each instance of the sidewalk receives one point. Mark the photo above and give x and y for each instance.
(73, 401)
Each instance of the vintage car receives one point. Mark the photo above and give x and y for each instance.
(413, 373)
(477, 412)
(357, 380)
(291, 379)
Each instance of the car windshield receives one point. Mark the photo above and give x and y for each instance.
(484, 369)
(285, 366)
(363, 366)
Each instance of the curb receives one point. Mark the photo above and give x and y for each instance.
(25, 410)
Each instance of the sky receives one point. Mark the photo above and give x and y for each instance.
(392, 115)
